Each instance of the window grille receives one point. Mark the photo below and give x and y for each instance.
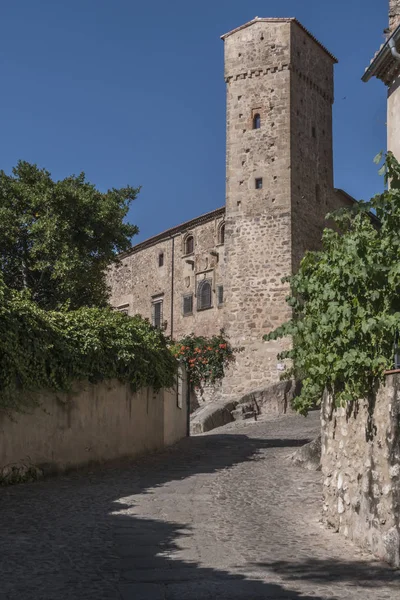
(189, 245)
(157, 314)
(188, 304)
(220, 295)
(123, 308)
(204, 294)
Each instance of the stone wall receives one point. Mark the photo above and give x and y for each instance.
(97, 423)
(393, 118)
(394, 14)
(139, 280)
(361, 468)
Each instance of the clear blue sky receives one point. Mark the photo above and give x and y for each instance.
(133, 92)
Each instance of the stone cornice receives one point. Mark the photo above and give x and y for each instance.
(260, 72)
(174, 231)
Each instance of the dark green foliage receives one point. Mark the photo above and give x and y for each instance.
(346, 302)
(57, 238)
(45, 350)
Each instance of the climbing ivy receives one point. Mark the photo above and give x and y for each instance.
(49, 350)
(346, 301)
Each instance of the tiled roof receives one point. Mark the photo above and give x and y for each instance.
(280, 20)
(173, 231)
(384, 66)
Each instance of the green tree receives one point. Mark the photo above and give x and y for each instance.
(57, 238)
(346, 301)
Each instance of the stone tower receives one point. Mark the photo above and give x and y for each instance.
(279, 181)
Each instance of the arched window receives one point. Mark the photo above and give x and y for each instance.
(256, 121)
(221, 234)
(204, 294)
(189, 244)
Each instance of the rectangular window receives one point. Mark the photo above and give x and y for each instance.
(188, 304)
(161, 259)
(124, 308)
(157, 313)
(259, 183)
(220, 295)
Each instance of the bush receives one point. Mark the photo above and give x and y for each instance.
(42, 350)
(205, 359)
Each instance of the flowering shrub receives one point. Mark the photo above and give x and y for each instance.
(205, 359)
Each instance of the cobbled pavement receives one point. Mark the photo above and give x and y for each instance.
(222, 516)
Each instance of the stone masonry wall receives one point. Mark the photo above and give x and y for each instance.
(394, 14)
(361, 468)
(312, 195)
(393, 118)
(258, 243)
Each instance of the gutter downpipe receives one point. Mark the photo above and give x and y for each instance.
(392, 46)
(172, 285)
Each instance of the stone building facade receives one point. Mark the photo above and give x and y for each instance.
(161, 278)
(224, 269)
(386, 66)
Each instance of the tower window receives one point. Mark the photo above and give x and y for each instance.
(220, 295)
(256, 121)
(187, 307)
(221, 234)
(189, 244)
(204, 294)
(314, 132)
(259, 183)
(156, 313)
(161, 259)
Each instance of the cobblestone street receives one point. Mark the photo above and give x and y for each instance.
(219, 516)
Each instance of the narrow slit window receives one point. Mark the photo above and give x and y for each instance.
(259, 183)
(256, 121)
(204, 295)
(220, 295)
(161, 259)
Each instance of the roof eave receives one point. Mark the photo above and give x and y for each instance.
(280, 20)
(380, 57)
(173, 231)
